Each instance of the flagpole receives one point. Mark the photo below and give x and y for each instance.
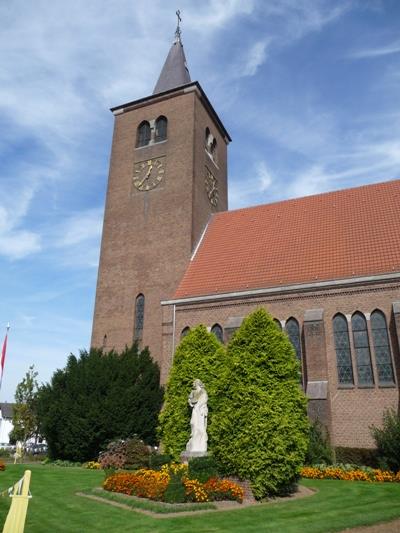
(3, 353)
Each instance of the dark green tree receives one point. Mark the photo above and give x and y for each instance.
(198, 356)
(99, 397)
(25, 423)
(260, 428)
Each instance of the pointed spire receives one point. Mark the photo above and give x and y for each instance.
(175, 71)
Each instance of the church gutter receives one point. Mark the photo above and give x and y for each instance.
(331, 284)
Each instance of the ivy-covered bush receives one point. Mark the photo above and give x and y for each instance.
(387, 441)
(198, 356)
(260, 428)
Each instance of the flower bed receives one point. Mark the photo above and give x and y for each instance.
(349, 473)
(152, 484)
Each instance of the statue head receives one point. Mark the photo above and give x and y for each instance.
(198, 383)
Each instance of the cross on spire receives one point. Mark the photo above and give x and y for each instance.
(178, 28)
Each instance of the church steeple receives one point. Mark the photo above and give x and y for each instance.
(175, 71)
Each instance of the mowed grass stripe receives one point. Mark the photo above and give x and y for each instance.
(337, 505)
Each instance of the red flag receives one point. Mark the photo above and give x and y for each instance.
(3, 354)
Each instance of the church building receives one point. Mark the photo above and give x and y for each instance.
(326, 267)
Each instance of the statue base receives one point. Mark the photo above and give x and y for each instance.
(186, 456)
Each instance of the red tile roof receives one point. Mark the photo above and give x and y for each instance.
(337, 235)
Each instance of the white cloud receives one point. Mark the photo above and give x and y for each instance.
(264, 176)
(15, 242)
(81, 227)
(256, 56)
(379, 51)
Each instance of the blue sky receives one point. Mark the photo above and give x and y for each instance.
(308, 89)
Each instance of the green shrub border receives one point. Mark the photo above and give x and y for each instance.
(147, 505)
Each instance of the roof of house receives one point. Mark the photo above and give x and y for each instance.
(337, 235)
(7, 409)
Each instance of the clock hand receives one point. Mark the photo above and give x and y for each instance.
(146, 176)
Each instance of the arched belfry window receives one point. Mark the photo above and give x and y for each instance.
(361, 347)
(218, 332)
(185, 332)
(143, 134)
(213, 149)
(343, 352)
(383, 356)
(139, 317)
(161, 129)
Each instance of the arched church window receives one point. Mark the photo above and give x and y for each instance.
(218, 332)
(161, 129)
(139, 317)
(342, 348)
(278, 324)
(185, 332)
(380, 339)
(293, 331)
(143, 134)
(361, 346)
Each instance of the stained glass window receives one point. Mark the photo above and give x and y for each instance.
(217, 330)
(343, 353)
(361, 346)
(161, 129)
(382, 348)
(278, 323)
(184, 332)
(143, 134)
(139, 317)
(293, 332)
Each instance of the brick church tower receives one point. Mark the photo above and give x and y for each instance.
(168, 175)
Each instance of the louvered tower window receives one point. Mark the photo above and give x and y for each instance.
(217, 330)
(143, 134)
(361, 346)
(161, 129)
(382, 348)
(139, 317)
(343, 352)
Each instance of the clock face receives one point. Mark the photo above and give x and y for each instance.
(148, 174)
(211, 184)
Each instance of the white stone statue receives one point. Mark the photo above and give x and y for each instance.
(198, 423)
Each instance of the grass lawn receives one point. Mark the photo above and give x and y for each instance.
(337, 505)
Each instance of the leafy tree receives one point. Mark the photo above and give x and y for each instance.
(387, 440)
(25, 423)
(198, 356)
(260, 428)
(97, 398)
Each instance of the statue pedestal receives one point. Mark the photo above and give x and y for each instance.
(186, 456)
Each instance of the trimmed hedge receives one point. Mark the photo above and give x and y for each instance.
(260, 428)
(198, 356)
